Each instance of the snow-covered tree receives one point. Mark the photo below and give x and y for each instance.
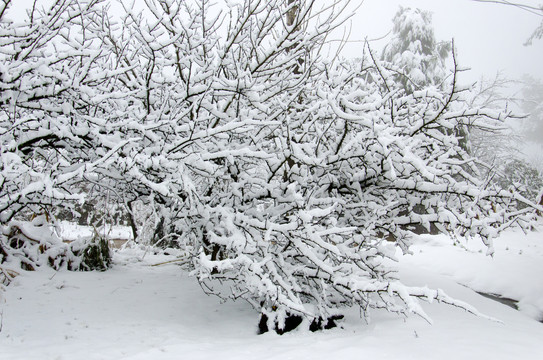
(493, 145)
(532, 104)
(413, 48)
(289, 178)
(537, 34)
(501, 150)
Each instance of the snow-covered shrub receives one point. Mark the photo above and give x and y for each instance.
(519, 176)
(90, 255)
(289, 178)
(293, 180)
(28, 245)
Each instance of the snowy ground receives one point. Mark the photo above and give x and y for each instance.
(70, 232)
(136, 311)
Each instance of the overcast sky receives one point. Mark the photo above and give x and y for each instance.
(488, 37)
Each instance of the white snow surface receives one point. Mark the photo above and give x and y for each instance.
(138, 311)
(70, 231)
(515, 270)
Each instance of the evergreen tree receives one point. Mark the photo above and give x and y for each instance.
(420, 58)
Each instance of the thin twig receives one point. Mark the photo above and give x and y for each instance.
(183, 260)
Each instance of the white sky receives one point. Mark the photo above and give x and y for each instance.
(488, 37)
